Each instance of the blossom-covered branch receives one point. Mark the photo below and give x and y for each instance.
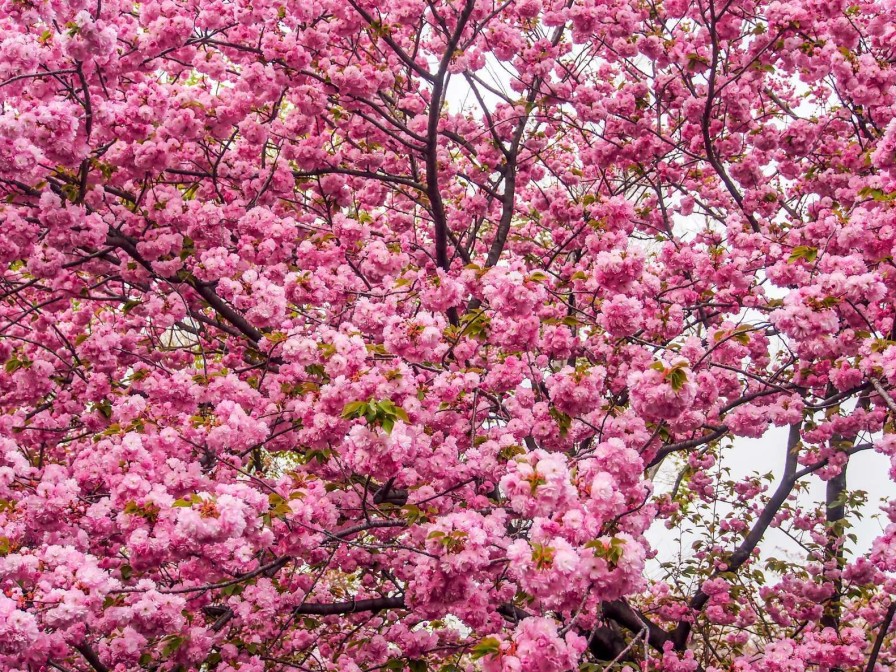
(356, 335)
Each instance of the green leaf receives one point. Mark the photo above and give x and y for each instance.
(354, 409)
(276, 337)
(564, 422)
(878, 195)
(611, 552)
(233, 589)
(489, 646)
(387, 424)
(130, 305)
(677, 378)
(316, 370)
(171, 644)
(804, 252)
(383, 413)
(105, 408)
(741, 337)
(386, 406)
(417, 666)
(542, 555)
(415, 514)
(279, 506)
(507, 453)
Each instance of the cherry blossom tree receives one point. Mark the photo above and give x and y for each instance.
(346, 335)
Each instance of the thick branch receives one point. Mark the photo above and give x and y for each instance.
(439, 216)
(604, 642)
(352, 172)
(510, 170)
(206, 292)
(667, 450)
(634, 621)
(707, 139)
(835, 515)
(879, 640)
(682, 631)
(225, 311)
(835, 512)
(888, 400)
(90, 656)
(352, 607)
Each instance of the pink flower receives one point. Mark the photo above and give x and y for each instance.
(663, 392)
(536, 645)
(539, 484)
(18, 629)
(621, 315)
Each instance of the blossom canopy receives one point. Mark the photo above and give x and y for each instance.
(356, 335)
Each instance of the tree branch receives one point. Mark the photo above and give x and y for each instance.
(665, 451)
(439, 216)
(879, 640)
(682, 631)
(635, 622)
(352, 607)
(90, 656)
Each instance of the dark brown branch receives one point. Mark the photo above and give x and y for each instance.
(634, 621)
(50, 73)
(835, 512)
(835, 515)
(682, 631)
(667, 450)
(387, 38)
(225, 311)
(879, 640)
(352, 607)
(353, 172)
(812, 468)
(707, 139)
(605, 642)
(90, 656)
(122, 242)
(510, 170)
(439, 216)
